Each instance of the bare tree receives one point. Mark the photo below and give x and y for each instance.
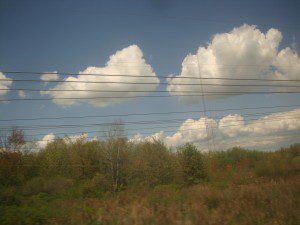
(13, 141)
(115, 145)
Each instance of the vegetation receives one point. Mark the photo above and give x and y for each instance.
(119, 182)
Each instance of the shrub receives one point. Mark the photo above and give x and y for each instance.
(152, 164)
(192, 164)
(95, 187)
(8, 196)
(52, 186)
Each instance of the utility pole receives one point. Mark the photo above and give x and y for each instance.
(204, 106)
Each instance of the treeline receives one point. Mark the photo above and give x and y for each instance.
(114, 164)
(78, 170)
(103, 166)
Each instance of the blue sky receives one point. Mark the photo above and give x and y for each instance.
(73, 35)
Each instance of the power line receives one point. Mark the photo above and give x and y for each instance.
(150, 128)
(285, 137)
(203, 102)
(139, 91)
(263, 138)
(149, 76)
(165, 131)
(176, 120)
(137, 96)
(146, 114)
(143, 91)
(145, 83)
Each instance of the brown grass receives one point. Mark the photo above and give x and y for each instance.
(271, 202)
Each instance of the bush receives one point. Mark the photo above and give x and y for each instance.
(9, 196)
(52, 186)
(192, 164)
(95, 187)
(152, 164)
(278, 166)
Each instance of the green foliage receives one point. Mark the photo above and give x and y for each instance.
(235, 155)
(50, 186)
(9, 196)
(192, 164)
(98, 186)
(151, 164)
(280, 164)
(119, 182)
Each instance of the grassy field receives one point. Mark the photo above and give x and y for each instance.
(146, 183)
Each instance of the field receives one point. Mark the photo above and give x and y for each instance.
(118, 182)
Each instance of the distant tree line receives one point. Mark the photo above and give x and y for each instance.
(115, 163)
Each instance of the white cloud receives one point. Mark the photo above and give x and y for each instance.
(287, 63)
(74, 138)
(68, 139)
(268, 132)
(46, 140)
(159, 136)
(128, 61)
(232, 125)
(244, 52)
(276, 122)
(50, 76)
(22, 94)
(4, 84)
(233, 130)
(192, 131)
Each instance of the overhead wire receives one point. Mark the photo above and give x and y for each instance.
(147, 133)
(145, 83)
(229, 143)
(138, 96)
(147, 114)
(147, 76)
(162, 121)
(142, 91)
(140, 128)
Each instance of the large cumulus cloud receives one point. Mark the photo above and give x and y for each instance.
(287, 63)
(233, 130)
(128, 61)
(234, 125)
(192, 131)
(50, 76)
(68, 139)
(4, 84)
(244, 52)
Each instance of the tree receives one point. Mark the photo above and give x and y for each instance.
(114, 148)
(192, 164)
(151, 163)
(13, 141)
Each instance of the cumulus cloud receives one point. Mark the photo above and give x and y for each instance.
(74, 138)
(234, 125)
(68, 139)
(50, 76)
(159, 136)
(4, 84)
(287, 63)
(21, 94)
(269, 132)
(244, 52)
(128, 61)
(45, 140)
(192, 131)
(276, 122)
(233, 130)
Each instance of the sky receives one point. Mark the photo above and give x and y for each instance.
(166, 38)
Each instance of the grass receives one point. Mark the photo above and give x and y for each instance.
(240, 187)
